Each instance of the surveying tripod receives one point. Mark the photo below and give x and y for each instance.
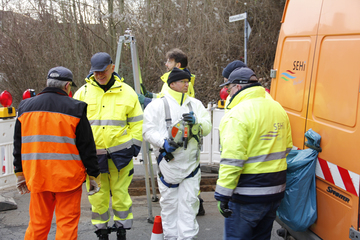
(128, 38)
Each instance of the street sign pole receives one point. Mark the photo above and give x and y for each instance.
(247, 30)
(245, 38)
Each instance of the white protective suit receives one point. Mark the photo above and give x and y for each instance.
(179, 205)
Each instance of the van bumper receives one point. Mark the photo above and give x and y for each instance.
(353, 234)
(308, 235)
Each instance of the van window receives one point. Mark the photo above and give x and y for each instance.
(292, 72)
(336, 93)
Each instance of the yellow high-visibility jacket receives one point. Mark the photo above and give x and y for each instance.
(116, 119)
(255, 136)
(231, 102)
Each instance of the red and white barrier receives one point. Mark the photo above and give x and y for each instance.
(7, 176)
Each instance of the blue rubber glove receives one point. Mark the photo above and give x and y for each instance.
(170, 145)
(141, 98)
(224, 209)
(189, 117)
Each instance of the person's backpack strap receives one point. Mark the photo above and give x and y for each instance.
(168, 119)
(167, 113)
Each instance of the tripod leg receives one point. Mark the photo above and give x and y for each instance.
(137, 81)
(154, 198)
(147, 183)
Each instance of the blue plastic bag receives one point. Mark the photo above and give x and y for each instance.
(298, 208)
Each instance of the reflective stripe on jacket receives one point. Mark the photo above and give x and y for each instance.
(50, 158)
(165, 87)
(255, 136)
(116, 119)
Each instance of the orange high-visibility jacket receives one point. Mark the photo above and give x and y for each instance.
(53, 142)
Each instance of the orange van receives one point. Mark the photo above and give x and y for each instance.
(316, 78)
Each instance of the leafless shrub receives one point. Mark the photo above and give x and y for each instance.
(69, 32)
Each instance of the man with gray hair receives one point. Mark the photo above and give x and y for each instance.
(255, 138)
(54, 152)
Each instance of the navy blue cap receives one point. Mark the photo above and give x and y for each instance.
(241, 76)
(62, 74)
(99, 61)
(231, 67)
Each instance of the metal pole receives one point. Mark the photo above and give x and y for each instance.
(118, 53)
(245, 38)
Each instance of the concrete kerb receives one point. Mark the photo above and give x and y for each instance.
(209, 175)
(7, 203)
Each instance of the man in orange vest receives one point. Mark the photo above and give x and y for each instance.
(54, 151)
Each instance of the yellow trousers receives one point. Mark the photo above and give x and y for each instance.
(115, 183)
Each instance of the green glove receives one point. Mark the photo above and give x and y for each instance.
(141, 98)
(146, 93)
(150, 95)
(224, 209)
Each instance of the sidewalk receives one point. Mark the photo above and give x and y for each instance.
(13, 223)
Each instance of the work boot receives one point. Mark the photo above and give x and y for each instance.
(102, 234)
(121, 234)
(201, 211)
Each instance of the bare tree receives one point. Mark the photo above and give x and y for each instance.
(41, 34)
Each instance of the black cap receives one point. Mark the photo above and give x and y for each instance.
(241, 76)
(177, 75)
(62, 74)
(99, 61)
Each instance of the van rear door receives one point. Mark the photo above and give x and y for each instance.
(293, 62)
(333, 112)
(318, 84)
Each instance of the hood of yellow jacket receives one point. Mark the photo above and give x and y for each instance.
(178, 96)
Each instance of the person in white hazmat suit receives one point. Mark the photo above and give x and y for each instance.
(179, 173)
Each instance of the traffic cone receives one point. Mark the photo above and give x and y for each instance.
(157, 232)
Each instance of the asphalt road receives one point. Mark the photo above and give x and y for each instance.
(13, 223)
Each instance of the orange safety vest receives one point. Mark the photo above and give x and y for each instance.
(50, 158)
